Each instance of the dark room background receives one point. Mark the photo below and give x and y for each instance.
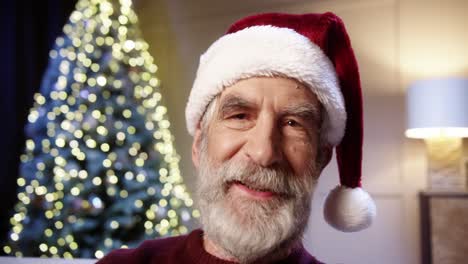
(29, 29)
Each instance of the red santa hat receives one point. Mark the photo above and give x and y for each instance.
(315, 50)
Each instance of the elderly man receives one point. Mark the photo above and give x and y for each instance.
(270, 101)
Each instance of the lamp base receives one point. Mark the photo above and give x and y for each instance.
(445, 164)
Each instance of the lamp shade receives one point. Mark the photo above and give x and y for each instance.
(438, 108)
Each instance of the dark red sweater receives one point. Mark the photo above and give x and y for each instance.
(183, 249)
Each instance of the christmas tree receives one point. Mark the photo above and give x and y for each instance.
(99, 171)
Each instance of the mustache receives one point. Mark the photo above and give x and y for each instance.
(276, 179)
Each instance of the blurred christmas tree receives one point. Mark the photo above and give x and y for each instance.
(99, 170)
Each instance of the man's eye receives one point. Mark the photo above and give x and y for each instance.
(292, 123)
(238, 116)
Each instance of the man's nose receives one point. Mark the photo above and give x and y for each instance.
(263, 146)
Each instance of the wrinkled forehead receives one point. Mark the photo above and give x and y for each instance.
(280, 91)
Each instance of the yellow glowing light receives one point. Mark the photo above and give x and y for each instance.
(51, 116)
(53, 54)
(131, 130)
(75, 191)
(80, 77)
(171, 213)
(139, 162)
(73, 143)
(53, 250)
(123, 194)
(163, 202)
(100, 41)
(138, 203)
(92, 98)
(61, 242)
(113, 179)
(163, 172)
(89, 48)
(101, 80)
(129, 175)
(127, 113)
(43, 247)
(60, 161)
(95, 67)
(78, 133)
(151, 191)
(121, 136)
(59, 186)
(58, 205)
(14, 236)
(63, 96)
(96, 114)
(97, 181)
(114, 224)
(69, 238)
(437, 132)
(18, 217)
(76, 152)
(164, 223)
(120, 99)
(91, 82)
(183, 229)
(123, 19)
(66, 125)
(48, 232)
(128, 45)
(21, 182)
(91, 143)
(7, 249)
(99, 254)
(123, 30)
(101, 130)
(33, 115)
(140, 177)
(107, 163)
(148, 225)
(132, 151)
(196, 213)
(83, 174)
(73, 245)
(41, 190)
(165, 192)
(105, 147)
(50, 197)
(60, 142)
(154, 82)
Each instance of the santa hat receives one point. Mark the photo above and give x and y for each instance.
(315, 50)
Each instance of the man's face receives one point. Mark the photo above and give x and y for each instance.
(257, 160)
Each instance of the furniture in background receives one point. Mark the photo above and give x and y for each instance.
(444, 227)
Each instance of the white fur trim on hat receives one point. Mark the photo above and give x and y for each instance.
(349, 209)
(268, 51)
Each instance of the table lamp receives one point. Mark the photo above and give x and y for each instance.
(438, 113)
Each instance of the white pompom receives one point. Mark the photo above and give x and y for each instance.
(349, 209)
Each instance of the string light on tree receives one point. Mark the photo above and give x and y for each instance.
(99, 170)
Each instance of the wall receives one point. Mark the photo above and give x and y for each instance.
(396, 42)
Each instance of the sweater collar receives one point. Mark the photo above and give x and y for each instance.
(196, 253)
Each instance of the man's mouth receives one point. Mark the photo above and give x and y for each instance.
(258, 193)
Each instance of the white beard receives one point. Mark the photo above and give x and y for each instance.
(250, 229)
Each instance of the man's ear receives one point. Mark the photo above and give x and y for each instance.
(325, 156)
(196, 147)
